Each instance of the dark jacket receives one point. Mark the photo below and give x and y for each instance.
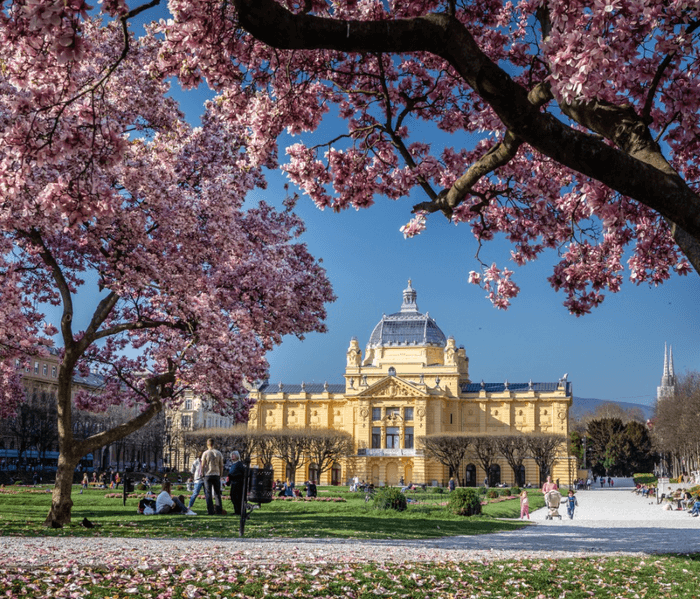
(236, 473)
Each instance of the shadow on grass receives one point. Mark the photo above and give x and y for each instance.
(23, 514)
(372, 525)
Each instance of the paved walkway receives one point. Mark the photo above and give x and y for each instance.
(607, 522)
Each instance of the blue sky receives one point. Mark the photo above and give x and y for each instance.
(616, 353)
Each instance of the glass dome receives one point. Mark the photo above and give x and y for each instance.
(407, 327)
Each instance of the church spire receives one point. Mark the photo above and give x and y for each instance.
(668, 379)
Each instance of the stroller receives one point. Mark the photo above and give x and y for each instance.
(553, 499)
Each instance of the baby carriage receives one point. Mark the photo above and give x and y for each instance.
(553, 499)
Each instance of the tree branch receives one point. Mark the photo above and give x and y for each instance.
(445, 36)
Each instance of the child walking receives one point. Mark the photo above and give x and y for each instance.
(524, 505)
(571, 503)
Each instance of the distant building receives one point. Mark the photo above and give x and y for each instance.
(193, 413)
(667, 389)
(30, 439)
(413, 381)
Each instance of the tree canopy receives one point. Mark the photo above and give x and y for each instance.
(132, 221)
(619, 449)
(567, 126)
(570, 126)
(676, 426)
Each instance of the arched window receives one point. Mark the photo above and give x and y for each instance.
(313, 472)
(470, 476)
(392, 371)
(494, 475)
(335, 474)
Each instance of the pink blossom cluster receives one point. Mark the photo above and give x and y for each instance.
(68, 153)
(323, 499)
(109, 193)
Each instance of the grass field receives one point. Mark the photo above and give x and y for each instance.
(22, 512)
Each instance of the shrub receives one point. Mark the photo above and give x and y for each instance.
(505, 492)
(465, 502)
(645, 479)
(515, 490)
(141, 487)
(483, 490)
(439, 490)
(492, 494)
(390, 498)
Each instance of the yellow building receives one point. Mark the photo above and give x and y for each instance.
(413, 381)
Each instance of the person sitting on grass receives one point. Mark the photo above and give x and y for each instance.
(166, 504)
(311, 488)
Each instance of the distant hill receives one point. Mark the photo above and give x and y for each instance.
(585, 405)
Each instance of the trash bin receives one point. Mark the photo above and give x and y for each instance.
(260, 485)
(127, 487)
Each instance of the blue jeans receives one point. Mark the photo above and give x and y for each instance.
(178, 508)
(212, 485)
(195, 492)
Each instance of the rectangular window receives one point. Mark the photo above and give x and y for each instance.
(408, 438)
(188, 404)
(45, 370)
(53, 371)
(408, 414)
(392, 437)
(376, 414)
(376, 437)
(36, 367)
(185, 421)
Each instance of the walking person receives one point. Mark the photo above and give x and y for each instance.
(198, 481)
(235, 479)
(524, 505)
(549, 486)
(212, 469)
(451, 484)
(571, 503)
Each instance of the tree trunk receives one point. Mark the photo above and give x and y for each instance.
(61, 502)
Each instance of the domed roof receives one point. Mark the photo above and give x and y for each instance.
(407, 327)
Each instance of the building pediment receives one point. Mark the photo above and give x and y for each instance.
(392, 387)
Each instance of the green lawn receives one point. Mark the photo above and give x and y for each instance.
(22, 512)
